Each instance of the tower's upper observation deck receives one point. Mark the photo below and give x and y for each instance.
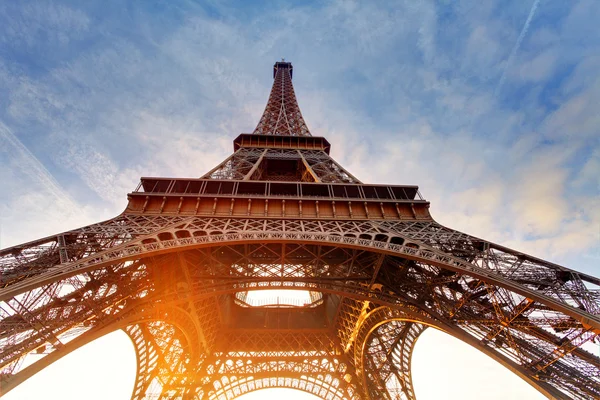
(283, 65)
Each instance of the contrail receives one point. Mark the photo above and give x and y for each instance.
(534, 7)
(37, 170)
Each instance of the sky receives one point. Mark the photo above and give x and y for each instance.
(490, 107)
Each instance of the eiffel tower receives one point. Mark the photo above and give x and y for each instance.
(177, 271)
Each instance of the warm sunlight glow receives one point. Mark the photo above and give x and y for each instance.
(270, 298)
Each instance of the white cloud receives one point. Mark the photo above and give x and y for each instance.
(539, 68)
(55, 23)
(31, 166)
(517, 45)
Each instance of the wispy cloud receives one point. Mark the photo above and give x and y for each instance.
(33, 167)
(517, 45)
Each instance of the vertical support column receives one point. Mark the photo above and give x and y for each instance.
(396, 381)
(62, 249)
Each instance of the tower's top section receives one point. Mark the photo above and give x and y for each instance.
(283, 64)
(282, 114)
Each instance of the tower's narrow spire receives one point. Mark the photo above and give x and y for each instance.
(282, 114)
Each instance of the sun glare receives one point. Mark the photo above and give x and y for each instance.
(270, 298)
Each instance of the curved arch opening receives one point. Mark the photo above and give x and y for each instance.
(268, 394)
(458, 370)
(461, 372)
(102, 369)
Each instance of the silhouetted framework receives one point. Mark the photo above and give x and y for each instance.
(175, 268)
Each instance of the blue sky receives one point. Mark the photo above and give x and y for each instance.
(490, 107)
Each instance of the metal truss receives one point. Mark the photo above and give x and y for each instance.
(533, 315)
(281, 165)
(237, 166)
(163, 353)
(282, 114)
(172, 277)
(387, 360)
(326, 169)
(385, 339)
(318, 372)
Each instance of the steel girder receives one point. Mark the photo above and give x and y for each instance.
(387, 360)
(534, 317)
(252, 164)
(383, 351)
(318, 372)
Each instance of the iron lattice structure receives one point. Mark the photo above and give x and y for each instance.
(175, 268)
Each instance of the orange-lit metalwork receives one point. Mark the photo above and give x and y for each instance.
(174, 270)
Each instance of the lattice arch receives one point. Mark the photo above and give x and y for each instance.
(164, 341)
(408, 255)
(164, 351)
(351, 234)
(387, 338)
(327, 386)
